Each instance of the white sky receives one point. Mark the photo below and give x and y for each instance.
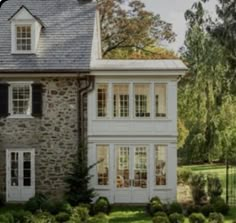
(173, 11)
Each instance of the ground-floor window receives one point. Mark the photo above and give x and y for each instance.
(160, 164)
(103, 165)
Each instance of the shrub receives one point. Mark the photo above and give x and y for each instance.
(6, 218)
(56, 206)
(161, 213)
(2, 200)
(220, 206)
(43, 217)
(62, 217)
(21, 216)
(207, 209)
(184, 175)
(197, 218)
(198, 183)
(99, 218)
(175, 207)
(79, 214)
(193, 209)
(155, 205)
(160, 219)
(214, 186)
(216, 218)
(176, 218)
(102, 205)
(35, 203)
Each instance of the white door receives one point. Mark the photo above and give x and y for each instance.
(20, 175)
(131, 174)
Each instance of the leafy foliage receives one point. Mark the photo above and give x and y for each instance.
(216, 218)
(130, 31)
(214, 186)
(197, 218)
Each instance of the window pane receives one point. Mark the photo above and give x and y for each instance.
(23, 38)
(142, 100)
(21, 99)
(102, 92)
(103, 165)
(160, 95)
(160, 165)
(14, 169)
(121, 100)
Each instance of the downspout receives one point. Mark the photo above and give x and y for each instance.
(82, 92)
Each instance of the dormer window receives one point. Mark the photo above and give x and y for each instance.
(25, 30)
(23, 38)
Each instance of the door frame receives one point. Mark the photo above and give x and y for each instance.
(131, 189)
(8, 151)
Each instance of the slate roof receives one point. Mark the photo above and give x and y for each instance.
(65, 42)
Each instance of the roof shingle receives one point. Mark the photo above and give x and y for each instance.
(65, 42)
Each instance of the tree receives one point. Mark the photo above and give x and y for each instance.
(224, 30)
(203, 93)
(130, 28)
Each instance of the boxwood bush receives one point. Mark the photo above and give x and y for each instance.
(155, 205)
(102, 205)
(160, 219)
(175, 207)
(176, 218)
(197, 218)
(216, 218)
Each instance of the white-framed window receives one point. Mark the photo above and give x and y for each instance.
(121, 100)
(102, 100)
(20, 99)
(160, 165)
(103, 165)
(23, 38)
(142, 100)
(160, 97)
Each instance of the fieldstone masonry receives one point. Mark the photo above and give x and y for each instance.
(54, 136)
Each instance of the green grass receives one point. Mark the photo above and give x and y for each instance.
(125, 214)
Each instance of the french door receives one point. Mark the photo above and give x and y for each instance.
(20, 174)
(131, 174)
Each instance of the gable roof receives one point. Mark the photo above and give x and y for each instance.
(65, 43)
(23, 7)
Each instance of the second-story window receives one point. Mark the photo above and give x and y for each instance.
(102, 99)
(142, 100)
(23, 38)
(160, 96)
(121, 100)
(20, 99)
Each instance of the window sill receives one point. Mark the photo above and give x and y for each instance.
(20, 117)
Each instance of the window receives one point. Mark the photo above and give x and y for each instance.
(103, 165)
(160, 96)
(142, 100)
(102, 93)
(160, 165)
(20, 100)
(121, 100)
(23, 38)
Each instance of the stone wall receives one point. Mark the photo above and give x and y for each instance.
(54, 136)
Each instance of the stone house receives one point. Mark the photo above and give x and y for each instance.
(55, 90)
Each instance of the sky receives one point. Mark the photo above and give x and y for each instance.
(172, 11)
